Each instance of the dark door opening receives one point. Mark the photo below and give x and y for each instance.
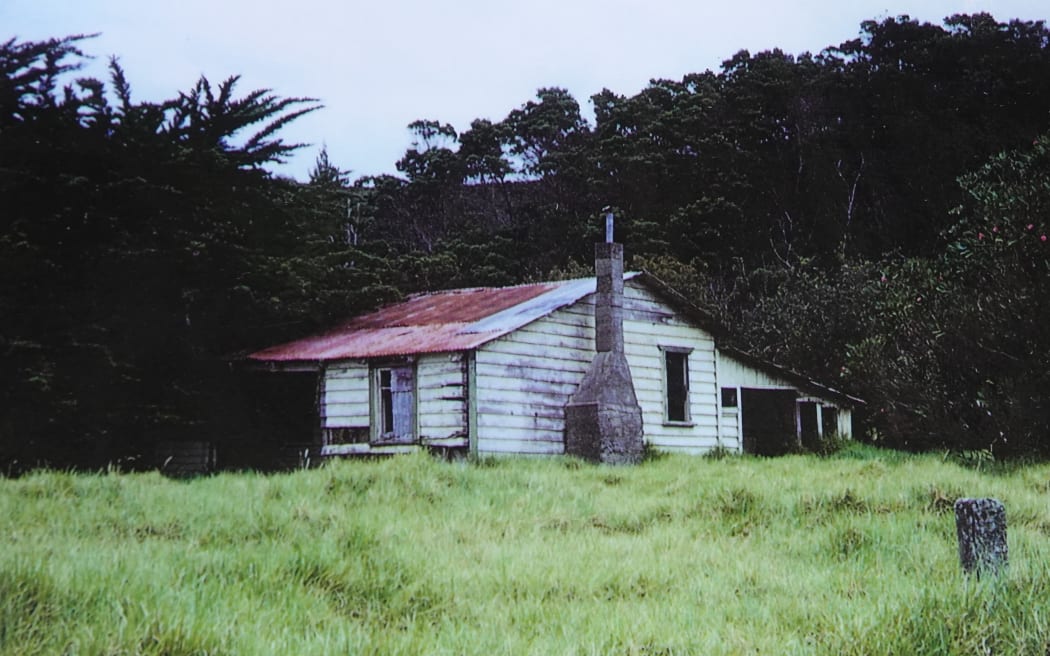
(281, 420)
(768, 421)
(810, 427)
(830, 418)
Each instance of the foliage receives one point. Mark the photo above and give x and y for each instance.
(141, 244)
(860, 214)
(854, 554)
(965, 353)
(829, 445)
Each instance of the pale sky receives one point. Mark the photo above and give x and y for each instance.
(381, 64)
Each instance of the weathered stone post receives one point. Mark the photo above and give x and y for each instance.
(981, 527)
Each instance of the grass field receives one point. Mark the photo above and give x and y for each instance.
(854, 554)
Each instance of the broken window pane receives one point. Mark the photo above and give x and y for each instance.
(396, 400)
(385, 403)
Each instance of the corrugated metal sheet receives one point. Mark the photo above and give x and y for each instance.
(455, 320)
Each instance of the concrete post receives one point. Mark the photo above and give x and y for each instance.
(981, 528)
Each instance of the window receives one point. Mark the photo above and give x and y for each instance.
(393, 404)
(729, 397)
(676, 375)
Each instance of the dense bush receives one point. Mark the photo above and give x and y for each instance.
(873, 215)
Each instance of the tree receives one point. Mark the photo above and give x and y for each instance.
(997, 351)
(142, 243)
(544, 134)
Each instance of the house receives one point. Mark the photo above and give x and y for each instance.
(498, 370)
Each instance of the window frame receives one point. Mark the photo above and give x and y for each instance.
(381, 403)
(682, 352)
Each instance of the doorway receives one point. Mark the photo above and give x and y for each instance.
(769, 427)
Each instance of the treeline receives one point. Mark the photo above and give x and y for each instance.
(141, 244)
(874, 215)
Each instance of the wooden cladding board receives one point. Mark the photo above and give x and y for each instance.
(525, 378)
(731, 428)
(345, 395)
(442, 395)
(644, 337)
(845, 423)
(733, 373)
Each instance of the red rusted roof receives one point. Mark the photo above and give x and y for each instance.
(426, 323)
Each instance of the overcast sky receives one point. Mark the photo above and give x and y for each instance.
(382, 64)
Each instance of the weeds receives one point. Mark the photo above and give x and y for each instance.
(849, 554)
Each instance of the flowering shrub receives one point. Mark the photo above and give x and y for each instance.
(993, 348)
(949, 351)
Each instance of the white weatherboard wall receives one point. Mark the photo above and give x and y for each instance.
(845, 423)
(730, 428)
(525, 378)
(733, 373)
(650, 324)
(441, 404)
(344, 396)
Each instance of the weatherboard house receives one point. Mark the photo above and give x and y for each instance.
(495, 371)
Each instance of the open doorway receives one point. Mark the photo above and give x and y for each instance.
(810, 428)
(768, 421)
(281, 420)
(830, 420)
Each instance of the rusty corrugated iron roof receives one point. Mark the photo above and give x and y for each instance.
(436, 322)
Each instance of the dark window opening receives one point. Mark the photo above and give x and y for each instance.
(677, 369)
(729, 397)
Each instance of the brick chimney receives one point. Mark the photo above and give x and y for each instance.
(603, 421)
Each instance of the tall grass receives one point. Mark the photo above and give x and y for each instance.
(854, 554)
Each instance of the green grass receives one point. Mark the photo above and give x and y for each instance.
(853, 554)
